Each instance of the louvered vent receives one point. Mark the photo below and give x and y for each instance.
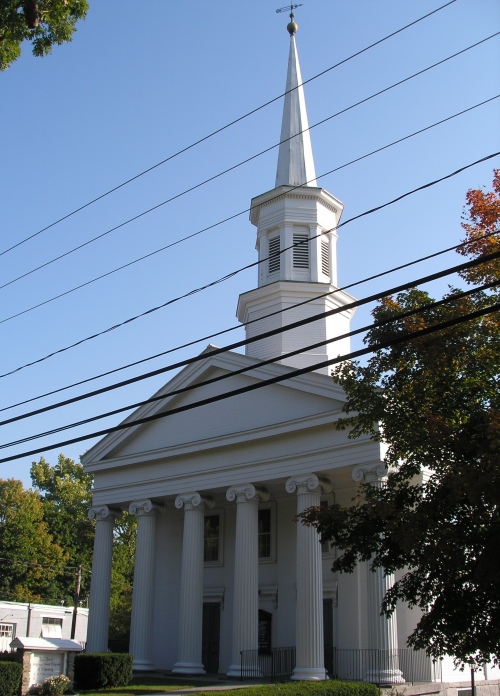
(274, 254)
(300, 251)
(325, 265)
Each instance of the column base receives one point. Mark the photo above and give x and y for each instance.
(143, 666)
(188, 668)
(309, 674)
(384, 676)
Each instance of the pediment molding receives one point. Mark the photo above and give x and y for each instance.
(312, 383)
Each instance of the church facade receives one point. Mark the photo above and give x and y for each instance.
(221, 566)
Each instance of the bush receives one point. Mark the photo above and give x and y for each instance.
(56, 685)
(99, 670)
(8, 656)
(10, 677)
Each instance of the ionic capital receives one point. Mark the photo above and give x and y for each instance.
(100, 513)
(308, 483)
(144, 508)
(369, 473)
(247, 492)
(191, 501)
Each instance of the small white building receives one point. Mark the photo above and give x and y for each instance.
(221, 565)
(28, 620)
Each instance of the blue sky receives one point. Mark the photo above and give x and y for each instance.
(141, 81)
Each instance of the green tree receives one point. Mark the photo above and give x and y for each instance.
(435, 402)
(65, 491)
(43, 22)
(31, 562)
(122, 578)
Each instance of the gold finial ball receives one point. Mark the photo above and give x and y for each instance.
(292, 28)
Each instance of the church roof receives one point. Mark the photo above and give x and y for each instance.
(295, 159)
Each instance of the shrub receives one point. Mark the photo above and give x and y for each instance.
(56, 685)
(10, 677)
(99, 670)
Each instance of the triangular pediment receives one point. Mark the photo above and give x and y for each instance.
(257, 412)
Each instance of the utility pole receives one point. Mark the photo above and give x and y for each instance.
(76, 600)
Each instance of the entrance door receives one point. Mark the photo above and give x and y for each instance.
(328, 634)
(211, 637)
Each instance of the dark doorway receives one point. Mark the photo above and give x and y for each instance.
(211, 637)
(328, 634)
(265, 640)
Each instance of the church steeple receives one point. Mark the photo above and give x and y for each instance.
(296, 242)
(295, 158)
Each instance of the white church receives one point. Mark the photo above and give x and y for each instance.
(222, 570)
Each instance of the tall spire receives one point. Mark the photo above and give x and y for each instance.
(295, 159)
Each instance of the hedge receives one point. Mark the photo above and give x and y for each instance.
(100, 670)
(310, 688)
(10, 677)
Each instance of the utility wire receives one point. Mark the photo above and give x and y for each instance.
(232, 217)
(223, 128)
(233, 273)
(266, 334)
(252, 321)
(264, 383)
(248, 368)
(239, 164)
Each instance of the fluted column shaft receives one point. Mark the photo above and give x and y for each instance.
(191, 598)
(100, 587)
(309, 622)
(141, 626)
(382, 629)
(246, 572)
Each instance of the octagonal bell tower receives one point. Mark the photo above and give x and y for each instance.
(296, 243)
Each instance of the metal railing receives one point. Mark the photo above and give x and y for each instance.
(383, 666)
(276, 664)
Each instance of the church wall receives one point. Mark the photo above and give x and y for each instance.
(167, 588)
(351, 611)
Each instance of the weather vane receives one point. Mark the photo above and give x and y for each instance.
(292, 26)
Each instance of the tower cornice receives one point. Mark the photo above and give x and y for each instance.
(281, 193)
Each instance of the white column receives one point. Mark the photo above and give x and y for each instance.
(100, 587)
(141, 626)
(309, 639)
(191, 599)
(246, 572)
(382, 630)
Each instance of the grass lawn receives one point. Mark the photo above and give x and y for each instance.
(148, 685)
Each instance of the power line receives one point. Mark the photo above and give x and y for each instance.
(232, 217)
(252, 321)
(233, 273)
(264, 383)
(162, 397)
(267, 334)
(236, 166)
(223, 128)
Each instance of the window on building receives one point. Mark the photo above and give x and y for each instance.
(325, 261)
(212, 549)
(7, 631)
(51, 627)
(300, 251)
(265, 533)
(274, 254)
